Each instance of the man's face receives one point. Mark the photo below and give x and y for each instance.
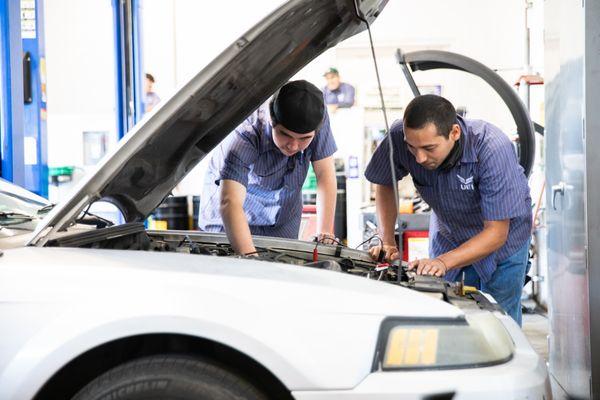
(333, 81)
(290, 142)
(430, 148)
(148, 85)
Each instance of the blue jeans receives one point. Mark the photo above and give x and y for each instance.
(506, 283)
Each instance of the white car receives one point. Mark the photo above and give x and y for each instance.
(92, 311)
(20, 213)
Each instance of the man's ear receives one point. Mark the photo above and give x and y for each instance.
(455, 132)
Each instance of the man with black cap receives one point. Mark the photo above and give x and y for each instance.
(254, 180)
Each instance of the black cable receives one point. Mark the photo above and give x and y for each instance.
(256, 252)
(86, 212)
(369, 240)
(185, 239)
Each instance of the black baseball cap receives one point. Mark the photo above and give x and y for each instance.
(298, 106)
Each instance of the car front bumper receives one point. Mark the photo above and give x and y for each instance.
(508, 381)
(525, 376)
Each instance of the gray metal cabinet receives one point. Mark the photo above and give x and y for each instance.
(572, 73)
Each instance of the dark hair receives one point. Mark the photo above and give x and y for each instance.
(150, 77)
(298, 106)
(275, 121)
(433, 109)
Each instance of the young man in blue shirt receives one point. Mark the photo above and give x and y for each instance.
(254, 181)
(468, 172)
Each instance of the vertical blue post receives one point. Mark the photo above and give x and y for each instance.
(128, 69)
(11, 93)
(35, 132)
(23, 132)
(138, 65)
(121, 95)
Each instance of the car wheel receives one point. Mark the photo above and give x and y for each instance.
(169, 377)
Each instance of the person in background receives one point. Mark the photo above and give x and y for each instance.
(151, 99)
(337, 94)
(253, 185)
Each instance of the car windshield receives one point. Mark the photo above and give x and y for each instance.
(17, 204)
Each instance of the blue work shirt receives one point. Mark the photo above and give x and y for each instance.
(273, 181)
(486, 184)
(151, 99)
(343, 96)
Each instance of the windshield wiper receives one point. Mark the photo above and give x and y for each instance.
(15, 215)
(13, 218)
(46, 208)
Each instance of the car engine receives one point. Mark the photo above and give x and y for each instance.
(134, 236)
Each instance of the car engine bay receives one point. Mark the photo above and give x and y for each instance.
(333, 257)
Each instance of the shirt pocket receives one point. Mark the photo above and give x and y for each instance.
(465, 202)
(295, 179)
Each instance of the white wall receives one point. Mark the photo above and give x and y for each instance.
(80, 72)
(180, 37)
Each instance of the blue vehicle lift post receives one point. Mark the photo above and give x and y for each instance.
(129, 70)
(23, 134)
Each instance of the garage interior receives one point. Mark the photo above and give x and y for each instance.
(76, 75)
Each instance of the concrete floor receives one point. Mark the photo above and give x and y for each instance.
(536, 328)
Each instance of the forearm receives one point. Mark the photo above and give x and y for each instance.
(326, 198)
(234, 218)
(479, 246)
(326, 194)
(237, 229)
(386, 213)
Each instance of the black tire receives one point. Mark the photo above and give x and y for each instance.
(169, 377)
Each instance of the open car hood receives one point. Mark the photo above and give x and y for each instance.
(162, 148)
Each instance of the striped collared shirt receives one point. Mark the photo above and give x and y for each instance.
(273, 181)
(343, 96)
(487, 184)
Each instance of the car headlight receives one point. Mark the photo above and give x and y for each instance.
(477, 341)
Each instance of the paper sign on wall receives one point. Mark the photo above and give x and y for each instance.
(28, 19)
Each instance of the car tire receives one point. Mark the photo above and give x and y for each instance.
(169, 377)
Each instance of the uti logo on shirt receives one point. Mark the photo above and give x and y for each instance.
(466, 183)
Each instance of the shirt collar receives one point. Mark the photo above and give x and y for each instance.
(264, 128)
(266, 139)
(469, 155)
